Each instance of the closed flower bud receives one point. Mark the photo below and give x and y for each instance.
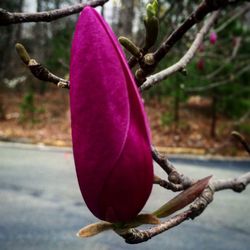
(110, 133)
(213, 37)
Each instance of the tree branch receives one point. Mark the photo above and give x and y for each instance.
(220, 83)
(134, 236)
(169, 185)
(182, 63)
(238, 184)
(7, 18)
(229, 60)
(242, 140)
(206, 6)
(239, 13)
(177, 181)
(39, 71)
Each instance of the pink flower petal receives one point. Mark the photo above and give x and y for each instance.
(109, 128)
(213, 37)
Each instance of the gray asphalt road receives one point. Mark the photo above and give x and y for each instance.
(41, 206)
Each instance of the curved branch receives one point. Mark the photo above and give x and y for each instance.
(39, 71)
(242, 140)
(220, 83)
(205, 7)
(169, 185)
(178, 181)
(182, 63)
(7, 18)
(229, 60)
(135, 236)
(238, 14)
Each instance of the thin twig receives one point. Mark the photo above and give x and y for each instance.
(229, 60)
(7, 18)
(201, 11)
(178, 180)
(182, 63)
(39, 71)
(242, 140)
(238, 14)
(168, 185)
(220, 83)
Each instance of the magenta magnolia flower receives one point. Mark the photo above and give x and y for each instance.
(213, 37)
(110, 133)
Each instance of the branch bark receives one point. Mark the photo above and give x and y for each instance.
(238, 184)
(177, 180)
(134, 236)
(7, 18)
(39, 71)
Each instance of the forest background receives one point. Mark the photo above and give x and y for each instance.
(190, 112)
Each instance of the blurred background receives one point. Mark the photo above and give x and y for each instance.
(195, 111)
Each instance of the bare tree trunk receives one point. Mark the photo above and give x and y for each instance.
(41, 35)
(8, 37)
(19, 27)
(115, 18)
(126, 17)
(176, 104)
(213, 116)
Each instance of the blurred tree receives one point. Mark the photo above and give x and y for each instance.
(126, 17)
(225, 84)
(9, 35)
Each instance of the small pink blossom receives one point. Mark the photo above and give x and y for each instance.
(213, 37)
